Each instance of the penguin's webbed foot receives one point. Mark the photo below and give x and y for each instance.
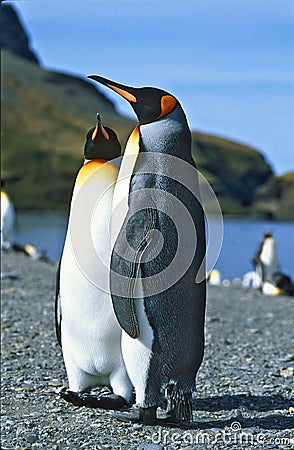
(104, 400)
(146, 416)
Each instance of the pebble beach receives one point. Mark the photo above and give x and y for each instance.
(244, 395)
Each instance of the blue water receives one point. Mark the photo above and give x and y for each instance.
(241, 239)
(46, 231)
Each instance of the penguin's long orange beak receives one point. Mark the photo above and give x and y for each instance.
(127, 92)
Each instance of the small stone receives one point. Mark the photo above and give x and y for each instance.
(23, 388)
(55, 383)
(9, 423)
(137, 426)
(31, 438)
(85, 444)
(287, 372)
(150, 447)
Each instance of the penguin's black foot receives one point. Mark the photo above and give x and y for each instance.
(146, 416)
(104, 400)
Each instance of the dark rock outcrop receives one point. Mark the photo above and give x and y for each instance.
(13, 36)
(275, 198)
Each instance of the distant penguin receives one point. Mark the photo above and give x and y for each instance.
(30, 250)
(214, 278)
(284, 283)
(265, 260)
(86, 326)
(7, 218)
(251, 279)
(163, 342)
(269, 288)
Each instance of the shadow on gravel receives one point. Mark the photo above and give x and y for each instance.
(272, 422)
(252, 402)
(249, 402)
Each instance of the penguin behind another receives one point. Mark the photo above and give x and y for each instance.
(86, 326)
(163, 339)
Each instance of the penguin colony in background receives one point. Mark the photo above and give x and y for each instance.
(86, 326)
(162, 337)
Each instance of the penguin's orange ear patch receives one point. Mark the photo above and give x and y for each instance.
(168, 103)
(127, 95)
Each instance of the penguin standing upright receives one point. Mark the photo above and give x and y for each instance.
(86, 326)
(161, 312)
(7, 217)
(265, 260)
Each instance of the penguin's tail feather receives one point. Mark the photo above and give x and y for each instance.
(179, 404)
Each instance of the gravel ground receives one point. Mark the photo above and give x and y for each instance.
(243, 397)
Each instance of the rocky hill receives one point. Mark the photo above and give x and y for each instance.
(46, 114)
(13, 35)
(275, 198)
(235, 171)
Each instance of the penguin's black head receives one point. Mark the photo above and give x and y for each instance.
(149, 104)
(101, 143)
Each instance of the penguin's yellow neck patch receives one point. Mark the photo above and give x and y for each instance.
(121, 192)
(4, 196)
(132, 147)
(88, 169)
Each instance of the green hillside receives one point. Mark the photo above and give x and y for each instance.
(234, 170)
(45, 116)
(276, 197)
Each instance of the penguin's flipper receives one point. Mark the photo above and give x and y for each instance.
(126, 259)
(58, 306)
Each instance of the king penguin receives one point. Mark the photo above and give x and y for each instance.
(7, 216)
(266, 260)
(163, 322)
(86, 326)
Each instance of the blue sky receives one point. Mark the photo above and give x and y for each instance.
(229, 62)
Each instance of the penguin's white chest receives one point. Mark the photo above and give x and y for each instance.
(268, 254)
(89, 329)
(7, 219)
(137, 352)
